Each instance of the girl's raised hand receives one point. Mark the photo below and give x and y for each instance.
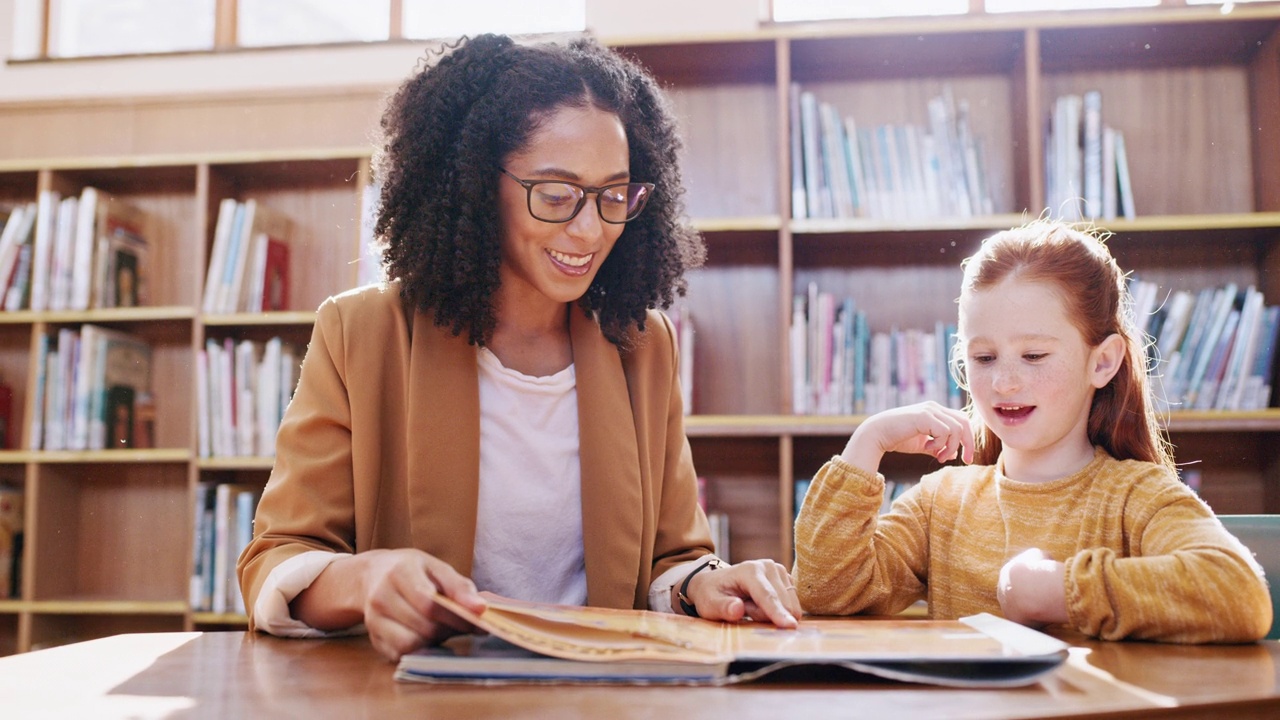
(925, 428)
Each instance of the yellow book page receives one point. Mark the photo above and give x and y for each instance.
(589, 633)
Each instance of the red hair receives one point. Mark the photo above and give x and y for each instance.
(1094, 293)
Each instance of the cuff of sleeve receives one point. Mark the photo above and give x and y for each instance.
(840, 470)
(660, 588)
(284, 583)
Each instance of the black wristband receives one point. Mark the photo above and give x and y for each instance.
(685, 605)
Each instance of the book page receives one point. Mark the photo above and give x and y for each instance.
(588, 633)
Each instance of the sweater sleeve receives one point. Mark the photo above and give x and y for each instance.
(1186, 578)
(849, 558)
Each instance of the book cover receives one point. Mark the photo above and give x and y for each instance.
(9, 427)
(222, 232)
(814, 186)
(124, 280)
(89, 217)
(1091, 140)
(800, 490)
(275, 275)
(64, 230)
(48, 205)
(1124, 186)
(119, 416)
(571, 644)
(18, 296)
(121, 374)
(15, 239)
(799, 199)
(262, 225)
(201, 546)
(228, 509)
(11, 533)
(35, 434)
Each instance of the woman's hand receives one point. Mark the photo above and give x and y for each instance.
(761, 590)
(925, 428)
(392, 593)
(1031, 589)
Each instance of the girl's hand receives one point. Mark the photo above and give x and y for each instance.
(1031, 589)
(925, 428)
(761, 590)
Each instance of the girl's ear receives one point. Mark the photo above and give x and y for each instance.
(1105, 360)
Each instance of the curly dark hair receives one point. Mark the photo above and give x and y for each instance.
(452, 124)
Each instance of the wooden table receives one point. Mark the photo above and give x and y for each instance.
(246, 675)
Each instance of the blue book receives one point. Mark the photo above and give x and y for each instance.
(801, 490)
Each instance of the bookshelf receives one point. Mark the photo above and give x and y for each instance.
(108, 534)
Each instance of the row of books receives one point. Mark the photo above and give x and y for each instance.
(718, 521)
(242, 390)
(223, 527)
(1209, 350)
(249, 266)
(683, 323)
(11, 541)
(840, 367)
(91, 250)
(1086, 162)
(93, 391)
(893, 489)
(841, 169)
(73, 253)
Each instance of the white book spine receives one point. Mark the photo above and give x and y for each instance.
(223, 563)
(1092, 140)
(218, 255)
(63, 240)
(82, 252)
(47, 204)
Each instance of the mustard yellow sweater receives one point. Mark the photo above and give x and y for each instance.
(1145, 558)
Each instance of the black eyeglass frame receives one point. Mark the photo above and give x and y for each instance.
(582, 201)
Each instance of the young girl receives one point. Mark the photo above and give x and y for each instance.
(1070, 511)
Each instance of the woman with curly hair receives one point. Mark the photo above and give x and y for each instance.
(503, 412)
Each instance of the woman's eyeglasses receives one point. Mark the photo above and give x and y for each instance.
(559, 201)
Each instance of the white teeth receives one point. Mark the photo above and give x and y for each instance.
(571, 260)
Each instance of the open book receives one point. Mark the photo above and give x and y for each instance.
(534, 642)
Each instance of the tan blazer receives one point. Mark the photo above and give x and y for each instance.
(380, 448)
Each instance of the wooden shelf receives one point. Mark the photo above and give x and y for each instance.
(107, 607)
(106, 315)
(208, 618)
(305, 317)
(737, 224)
(236, 463)
(150, 456)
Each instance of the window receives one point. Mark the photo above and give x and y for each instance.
(1000, 6)
(305, 22)
(788, 10)
(450, 18)
(119, 27)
